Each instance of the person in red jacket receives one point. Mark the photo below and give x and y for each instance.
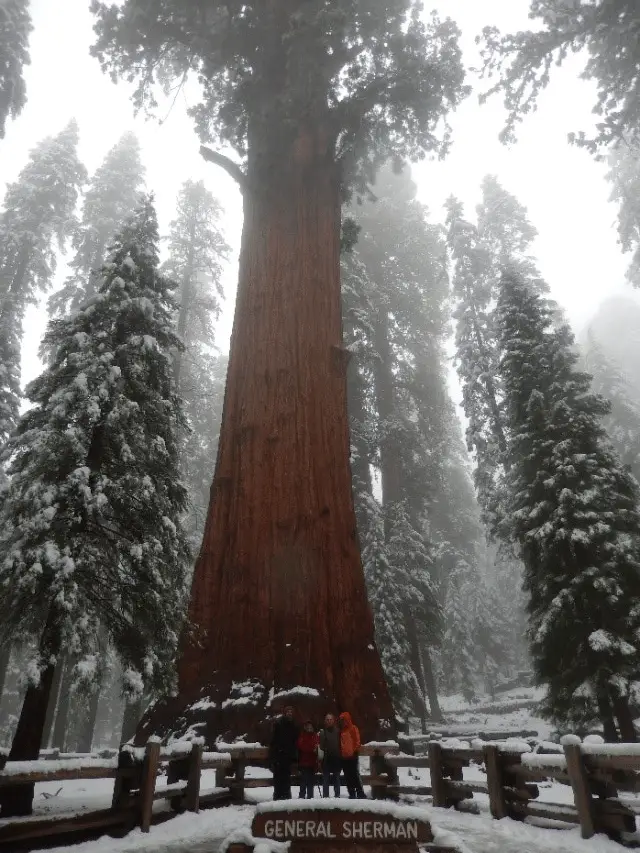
(307, 760)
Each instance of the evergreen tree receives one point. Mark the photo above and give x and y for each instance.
(473, 287)
(607, 30)
(15, 28)
(38, 217)
(197, 250)
(624, 175)
(574, 515)
(395, 288)
(623, 421)
(503, 235)
(111, 197)
(91, 532)
(311, 108)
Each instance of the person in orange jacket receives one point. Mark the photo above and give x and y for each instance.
(349, 747)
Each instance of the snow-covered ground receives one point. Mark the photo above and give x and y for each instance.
(511, 711)
(205, 832)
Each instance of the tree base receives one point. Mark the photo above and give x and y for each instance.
(16, 801)
(225, 710)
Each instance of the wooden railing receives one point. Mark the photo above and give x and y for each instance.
(595, 773)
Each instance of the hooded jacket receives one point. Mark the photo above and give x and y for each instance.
(284, 741)
(349, 736)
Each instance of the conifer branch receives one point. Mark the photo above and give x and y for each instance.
(231, 168)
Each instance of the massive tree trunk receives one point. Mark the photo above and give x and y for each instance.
(18, 800)
(278, 597)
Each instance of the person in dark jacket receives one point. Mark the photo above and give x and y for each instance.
(283, 752)
(307, 760)
(329, 754)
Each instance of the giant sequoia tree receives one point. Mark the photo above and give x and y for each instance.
(312, 98)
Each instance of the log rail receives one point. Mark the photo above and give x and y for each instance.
(596, 775)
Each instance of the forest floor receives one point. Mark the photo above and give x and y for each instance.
(478, 833)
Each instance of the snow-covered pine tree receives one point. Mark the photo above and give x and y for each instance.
(111, 197)
(607, 33)
(197, 251)
(91, 531)
(623, 421)
(574, 515)
(15, 28)
(38, 217)
(624, 175)
(473, 288)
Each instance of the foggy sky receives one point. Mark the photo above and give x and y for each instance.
(562, 187)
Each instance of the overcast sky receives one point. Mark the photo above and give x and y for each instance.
(564, 190)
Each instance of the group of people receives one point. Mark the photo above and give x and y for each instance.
(334, 749)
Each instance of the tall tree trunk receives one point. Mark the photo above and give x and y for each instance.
(18, 800)
(184, 314)
(130, 719)
(390, 467)
(606, 716)
(85, 740)
(59, 737)
(53, 702)
(5, 657)
(624, 716)
(416, 665)
(430, 684)
(280, 550)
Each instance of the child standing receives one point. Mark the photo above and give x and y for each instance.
(307, 760)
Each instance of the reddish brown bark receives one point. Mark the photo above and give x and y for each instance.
(278, 591)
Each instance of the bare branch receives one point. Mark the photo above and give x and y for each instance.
(225, 163)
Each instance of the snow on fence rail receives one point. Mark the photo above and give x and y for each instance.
(595, 772)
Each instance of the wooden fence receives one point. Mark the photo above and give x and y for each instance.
(595, 773)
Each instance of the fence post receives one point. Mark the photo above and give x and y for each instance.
(438, 784)
(123, 782)
(221, 777)
(192, 793)
(581, 789)
(378, 767)
(495, 781)
(148, 784)
(237, 785)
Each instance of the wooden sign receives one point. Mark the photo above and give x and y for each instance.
(341, 826)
